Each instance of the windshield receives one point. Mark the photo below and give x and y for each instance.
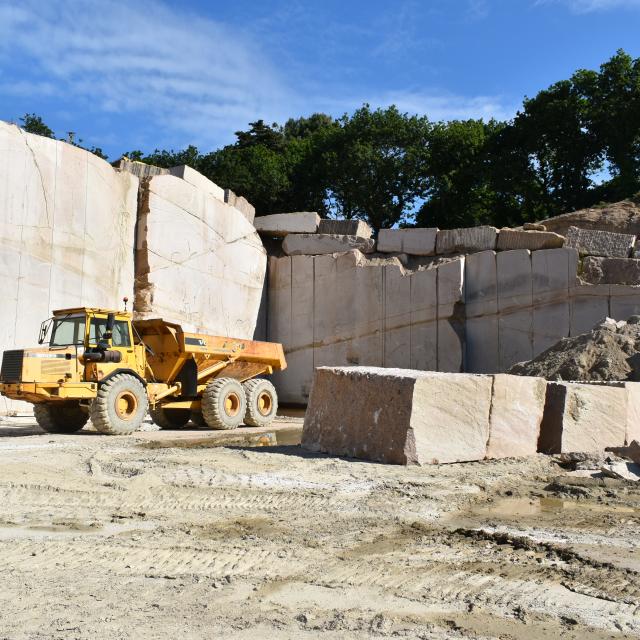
(67, 331)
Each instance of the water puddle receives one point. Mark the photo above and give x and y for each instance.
(63, 530)
(517, 507)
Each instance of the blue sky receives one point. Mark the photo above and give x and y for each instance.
(127, 75)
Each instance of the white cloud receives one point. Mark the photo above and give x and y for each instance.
(181, 70)
(589, 6)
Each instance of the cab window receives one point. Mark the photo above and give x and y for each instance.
(121, 337)
(67, 330)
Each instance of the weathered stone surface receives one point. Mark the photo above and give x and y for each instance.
(533, 226)
(67, 222)
(633, 412)
(466, 240)
(532, 240)
(600, 243)
(282, 224)
(588, 305)
(140, 169)
(618, 217)
(345, 228)
(583, 418)
(517, 408)
(398, 416)
(199, 261)
(417, 242)
(515, 299)
(197, 180)
(241, 204)
(596, 270)
(481, 307)
(624, 301)
(310, 244)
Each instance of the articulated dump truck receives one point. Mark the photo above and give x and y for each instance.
(102, 364)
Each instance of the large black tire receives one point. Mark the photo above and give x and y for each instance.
(170, 418)
(223, 404)
(64, 418)
(262, 402)
(120, 406)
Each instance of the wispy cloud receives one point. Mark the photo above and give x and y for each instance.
(189, 78)
(589, 6)
(180, 70)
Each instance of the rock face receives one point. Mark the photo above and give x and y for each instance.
(611, 270)
(417, 242)
(67, 222)
(353, 309)
(199, 262)
(195, 178)
(600, 243)
(398, 416)
(241, 204)
(345, 228)
(466, 240)
(583, 418)
(313, 244)
(532, 240)
(517, 408)
(619, 217)
(281, 224)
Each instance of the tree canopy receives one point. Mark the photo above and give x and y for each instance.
(574, 144)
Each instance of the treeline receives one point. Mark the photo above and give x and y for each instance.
(575, 144)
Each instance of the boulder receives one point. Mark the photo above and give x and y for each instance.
(199, 261)
(313, 244)
(532, 240)
(398, 416)
(345, 228)
(596, 270)
(466, 240)
(282, 224)
(600, 243)
(517, 408)
(417, 242)
(533, 226)
(583, 418)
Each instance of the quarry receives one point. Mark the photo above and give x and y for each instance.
(456, 451)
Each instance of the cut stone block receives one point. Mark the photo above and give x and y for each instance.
(517, 408)
(466, 240)
(139, 169)
(199, 261)
(532, 240)
(515, 300)
(198, 180)
(451, 320)
(398, 416)
(417, 242)
(589, 305)
(596, 270)
(624, 301)
(481, 306)
(397, 318)
(309, 244)
(633, 412)
(424, 323)
(583, 418)
(345, 228)
(282, 224)
(241, 204)
(533, 226)
(600, 243)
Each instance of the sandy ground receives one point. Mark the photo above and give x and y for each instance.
(173, 535)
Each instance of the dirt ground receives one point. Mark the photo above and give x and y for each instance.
(172, 535)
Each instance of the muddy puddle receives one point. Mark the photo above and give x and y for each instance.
(10, 531)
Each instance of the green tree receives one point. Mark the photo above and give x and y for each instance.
(32, 123)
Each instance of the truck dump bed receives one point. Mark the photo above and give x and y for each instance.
(169, 346)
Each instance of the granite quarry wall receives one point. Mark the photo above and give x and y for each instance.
(75, 231)
(465, 300)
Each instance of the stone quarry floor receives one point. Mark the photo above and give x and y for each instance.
(195, 534)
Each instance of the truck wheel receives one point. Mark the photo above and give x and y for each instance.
(66, 418)
(198, 419)
(262, 402)
(120, 406)
(170, 418)
(224, 404)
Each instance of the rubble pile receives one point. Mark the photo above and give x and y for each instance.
(610, 351)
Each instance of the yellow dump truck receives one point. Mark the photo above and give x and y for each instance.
(102, 364)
